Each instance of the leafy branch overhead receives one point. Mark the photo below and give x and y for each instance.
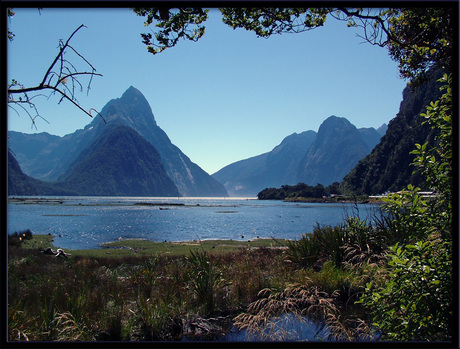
(174, 24)
(62, 77)
(419, 39)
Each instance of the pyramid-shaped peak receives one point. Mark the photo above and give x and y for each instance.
(131, 94)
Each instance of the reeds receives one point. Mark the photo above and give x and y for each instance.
(160, 297)
(333, 264)
(262, 319)
(205, 278)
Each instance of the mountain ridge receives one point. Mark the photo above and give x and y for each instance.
(282, 165)
(388, 166)
(336, 149)
(120, 163)
(247, 177)
(51, 160)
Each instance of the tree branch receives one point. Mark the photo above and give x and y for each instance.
(380, 24)
(66, 70)
(60, 54)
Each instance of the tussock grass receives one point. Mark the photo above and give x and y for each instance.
(134, 296)
(138, 290)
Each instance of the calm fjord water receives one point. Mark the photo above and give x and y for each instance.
(86, 222)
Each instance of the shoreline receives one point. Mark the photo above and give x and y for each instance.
(335, 201)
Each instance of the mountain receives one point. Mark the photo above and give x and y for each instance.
(371, 136)
(382, 129)
(133, 110)
(21, 184)
(273, 169)
(337, 148)
(119, 163)
(48, 157)
(388, 166)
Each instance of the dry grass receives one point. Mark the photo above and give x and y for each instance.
(157, 297)
(200, 293)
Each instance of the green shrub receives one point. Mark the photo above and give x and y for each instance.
(205, 278)
(303, 252)
(416, 302)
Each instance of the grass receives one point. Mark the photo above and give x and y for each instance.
(141, 247)
(139, 290)
(145, 295)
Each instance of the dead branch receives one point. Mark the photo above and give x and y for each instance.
(61, 77)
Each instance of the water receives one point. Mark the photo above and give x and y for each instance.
(87, 222)
(287, 327)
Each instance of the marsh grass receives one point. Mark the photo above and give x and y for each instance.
(142, 291)
(332, 265)
(161, 296)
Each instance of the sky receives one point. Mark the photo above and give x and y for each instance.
(225, 98)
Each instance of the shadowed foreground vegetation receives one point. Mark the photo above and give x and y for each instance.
(128, 295)
(135, 296)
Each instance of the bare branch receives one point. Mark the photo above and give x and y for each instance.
(31, 105)
(60, 54)
(66, 83)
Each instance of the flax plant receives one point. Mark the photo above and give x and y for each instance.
(205, 278)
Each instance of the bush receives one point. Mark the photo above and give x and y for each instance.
(416, 301)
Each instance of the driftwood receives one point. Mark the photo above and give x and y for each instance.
(58, 253)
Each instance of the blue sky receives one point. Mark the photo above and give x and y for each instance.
(225, 98)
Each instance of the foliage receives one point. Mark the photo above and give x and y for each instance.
(436, 162)
(205, 278)
(260, 320)
(300, 190)
(268, 21)
(417, 38)
(353, 242)
(133, 297)
(416, 302)
(17, 238)
(174, 24)
(424, 39)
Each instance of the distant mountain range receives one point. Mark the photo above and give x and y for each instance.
(309, 157)
(248, 177)
(53, 159)
(131, 155)
(22, 184)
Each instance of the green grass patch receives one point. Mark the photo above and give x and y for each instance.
(142, 247)
(38, 242)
